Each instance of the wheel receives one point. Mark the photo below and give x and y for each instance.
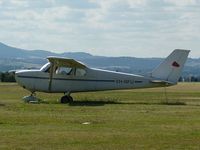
(66, 99)
(70, 99)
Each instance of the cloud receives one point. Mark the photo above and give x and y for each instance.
(19, 3)
(136, 3)
(182, 2)
(119, 27)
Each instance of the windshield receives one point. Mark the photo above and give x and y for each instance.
(45, 67)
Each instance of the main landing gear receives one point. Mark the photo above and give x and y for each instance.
(66, 99)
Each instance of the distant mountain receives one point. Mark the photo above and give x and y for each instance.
(12, 52)
(15, 58)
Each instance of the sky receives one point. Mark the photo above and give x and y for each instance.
(136, 28)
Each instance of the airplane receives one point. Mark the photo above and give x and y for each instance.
(64, 75)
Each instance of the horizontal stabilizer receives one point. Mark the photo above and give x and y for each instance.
(162, 82)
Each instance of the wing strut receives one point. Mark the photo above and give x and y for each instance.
(51, 76)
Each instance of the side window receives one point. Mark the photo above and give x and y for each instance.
(63, 70)
(80, 72)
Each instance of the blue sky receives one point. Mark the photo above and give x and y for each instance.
(138, 28)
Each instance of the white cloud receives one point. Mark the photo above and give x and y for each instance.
(19, 3)
(182, 2)
(104, 27)
(136, 3)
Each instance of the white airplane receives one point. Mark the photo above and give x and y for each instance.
(63, 75)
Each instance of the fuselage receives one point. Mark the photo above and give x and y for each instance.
(91, 80)
(64, 75)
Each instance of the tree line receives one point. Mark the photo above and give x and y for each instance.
(7, 77)
(190, 78)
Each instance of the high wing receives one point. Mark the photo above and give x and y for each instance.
(60, 61)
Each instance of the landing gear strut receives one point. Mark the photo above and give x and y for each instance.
(66, 99)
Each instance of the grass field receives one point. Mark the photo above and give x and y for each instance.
(132, 119)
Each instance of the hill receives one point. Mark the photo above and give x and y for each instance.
(12, 52)
(16, 58)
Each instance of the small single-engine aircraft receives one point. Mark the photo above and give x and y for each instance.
(63, 75)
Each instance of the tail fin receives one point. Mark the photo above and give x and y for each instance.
(170, 69)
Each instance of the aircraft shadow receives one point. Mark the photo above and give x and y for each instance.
(2, 104)
(102, 103)
(93, 103)
(113, 102)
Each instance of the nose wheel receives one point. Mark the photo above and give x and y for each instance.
(66, 99)
(31, 98)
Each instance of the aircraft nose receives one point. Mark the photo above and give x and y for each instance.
(17, 77)
(21, 80)
(24, 79)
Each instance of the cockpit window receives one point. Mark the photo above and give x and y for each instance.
(80, 72)
(64, 70)
(46, 67)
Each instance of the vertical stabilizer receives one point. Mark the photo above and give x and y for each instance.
(170, 69)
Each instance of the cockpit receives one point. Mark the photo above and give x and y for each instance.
(63, 70)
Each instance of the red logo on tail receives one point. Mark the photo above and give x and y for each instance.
(175, 64)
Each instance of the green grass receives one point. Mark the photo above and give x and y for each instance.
(129, 119)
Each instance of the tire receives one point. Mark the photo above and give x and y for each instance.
(66, 99)
(70, 99)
